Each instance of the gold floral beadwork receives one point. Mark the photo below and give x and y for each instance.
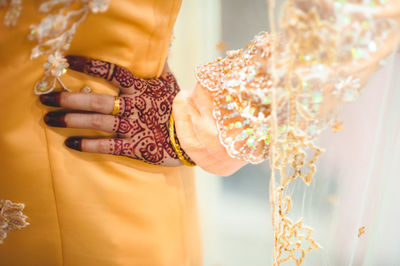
(294, 241)
(292, 155)
(11, 217)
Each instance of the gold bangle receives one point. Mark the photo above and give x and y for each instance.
(117, 106)
(175, 146)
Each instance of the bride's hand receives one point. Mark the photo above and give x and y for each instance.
(141, 123)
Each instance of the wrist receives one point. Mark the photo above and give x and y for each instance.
(198, 135)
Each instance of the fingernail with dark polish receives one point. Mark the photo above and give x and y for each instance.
(76, 62)
(51, 99)
(74, 143)
(55, 119)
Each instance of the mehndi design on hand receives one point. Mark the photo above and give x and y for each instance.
(141, 123)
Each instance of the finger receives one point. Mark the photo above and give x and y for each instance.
(99, 103)
(78, 120)
(118, 76)
(104, 146)
(106, 123)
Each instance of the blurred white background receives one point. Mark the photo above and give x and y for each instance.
(234, 211)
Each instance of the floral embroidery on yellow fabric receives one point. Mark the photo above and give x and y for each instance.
(11, 217)
(55, 33)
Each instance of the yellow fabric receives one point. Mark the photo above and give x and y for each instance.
(89, 209)
(198, 134)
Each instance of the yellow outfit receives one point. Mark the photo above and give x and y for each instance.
(90, 209)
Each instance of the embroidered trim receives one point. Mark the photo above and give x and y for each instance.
(11, 217)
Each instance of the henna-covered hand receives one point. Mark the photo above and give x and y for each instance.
(141, 124)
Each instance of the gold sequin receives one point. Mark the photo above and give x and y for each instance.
(337, 126)
(361, 231)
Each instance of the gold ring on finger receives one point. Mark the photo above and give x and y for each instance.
(117, 106)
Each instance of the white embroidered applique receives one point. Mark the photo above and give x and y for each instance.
(55, 33)
(11, 217)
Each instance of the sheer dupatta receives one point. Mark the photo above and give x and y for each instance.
(329, 54)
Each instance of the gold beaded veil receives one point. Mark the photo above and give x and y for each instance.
(324, 56)
(276, 100)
